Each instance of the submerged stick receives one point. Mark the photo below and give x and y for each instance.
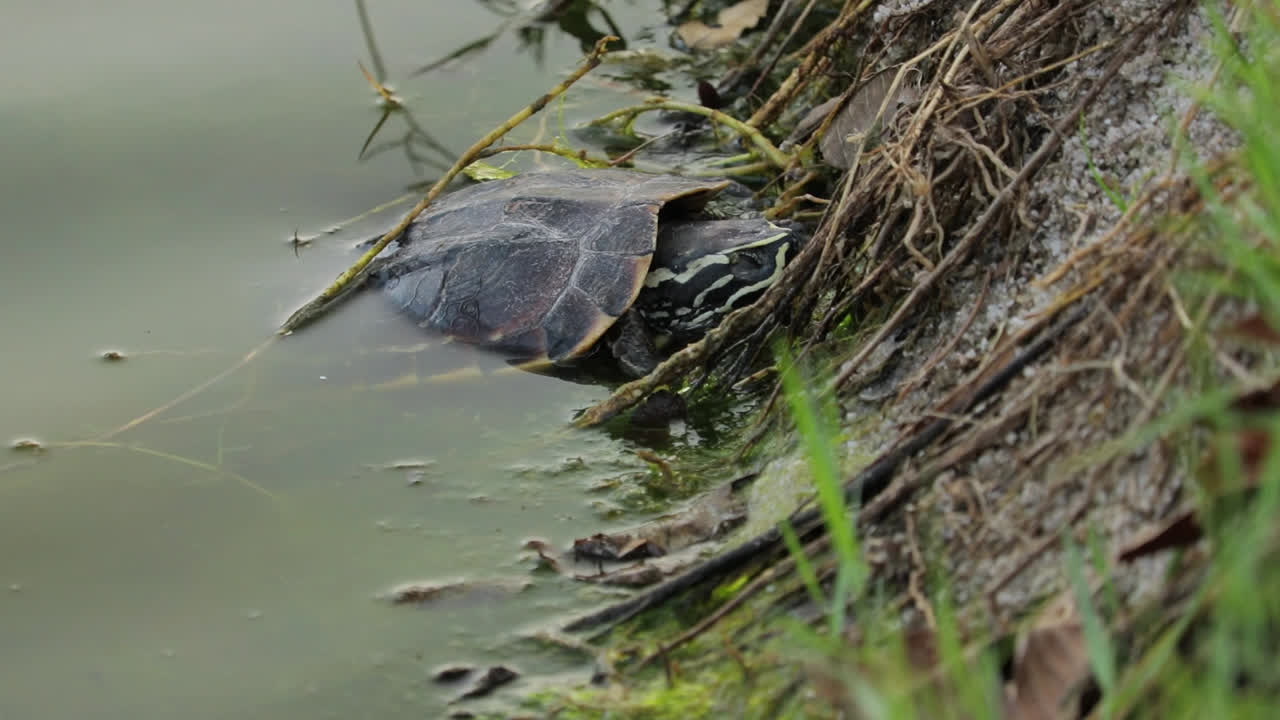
(355, 276)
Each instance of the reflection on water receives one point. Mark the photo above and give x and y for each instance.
(224, 557)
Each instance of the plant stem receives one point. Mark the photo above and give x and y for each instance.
(771, 153)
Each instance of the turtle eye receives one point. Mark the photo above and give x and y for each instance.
(745, 266)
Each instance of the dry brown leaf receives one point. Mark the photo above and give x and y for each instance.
(832, 689)
(455, 593)
(857, 118)
(546, 555)
(731, 22)
(493, 678)
(1259, 400)
(451, 673)
(708, 518)
(744, 14)
(1249, 446)
(615, 547)
(1255, 327)
(1252, 446)
(663, 546)
(1049, 665)
(811, 120)
(657, 544)
(920, 645)
(1180, 530)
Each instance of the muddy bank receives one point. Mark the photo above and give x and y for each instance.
(983, 311)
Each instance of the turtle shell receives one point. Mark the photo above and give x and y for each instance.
(537, 266)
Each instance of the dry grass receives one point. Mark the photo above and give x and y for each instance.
(982, 224)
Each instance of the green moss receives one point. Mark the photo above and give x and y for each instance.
(758, 677)
(705, 684)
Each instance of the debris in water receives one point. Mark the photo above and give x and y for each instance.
(731, 22)
(709, 96)
(27, 445)
(546, 555)
(469, 592)
(708, 518)
(659, 409)
(451, 673)
(638, 575)
(494, 678)
(409, 464)
(618, 546)
(415, 469)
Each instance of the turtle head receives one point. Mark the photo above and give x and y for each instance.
(703, 270)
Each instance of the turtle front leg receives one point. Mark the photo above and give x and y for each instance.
(632, 345)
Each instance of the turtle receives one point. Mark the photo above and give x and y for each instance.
(547, 267)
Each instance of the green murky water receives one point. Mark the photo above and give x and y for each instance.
(223, 557)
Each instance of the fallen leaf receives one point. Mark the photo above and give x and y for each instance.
(657, 549)
(640, 548)
(920, 648)
(468, 592)
(708, 96)
(1259, 400)
(616, 546)
(451, 673)
(1248, 446)
(731, 22)
(1255, 327)
(546, 555)
(1251, 446)
(743, 14)
(27, 445)
(1179, 531)
(709, 517)
(1049, 665)
(408, 464)
(493, 678)
(921, 645)
(811, 121)
(857, 118)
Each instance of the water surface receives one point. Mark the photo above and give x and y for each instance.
(224, 557)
